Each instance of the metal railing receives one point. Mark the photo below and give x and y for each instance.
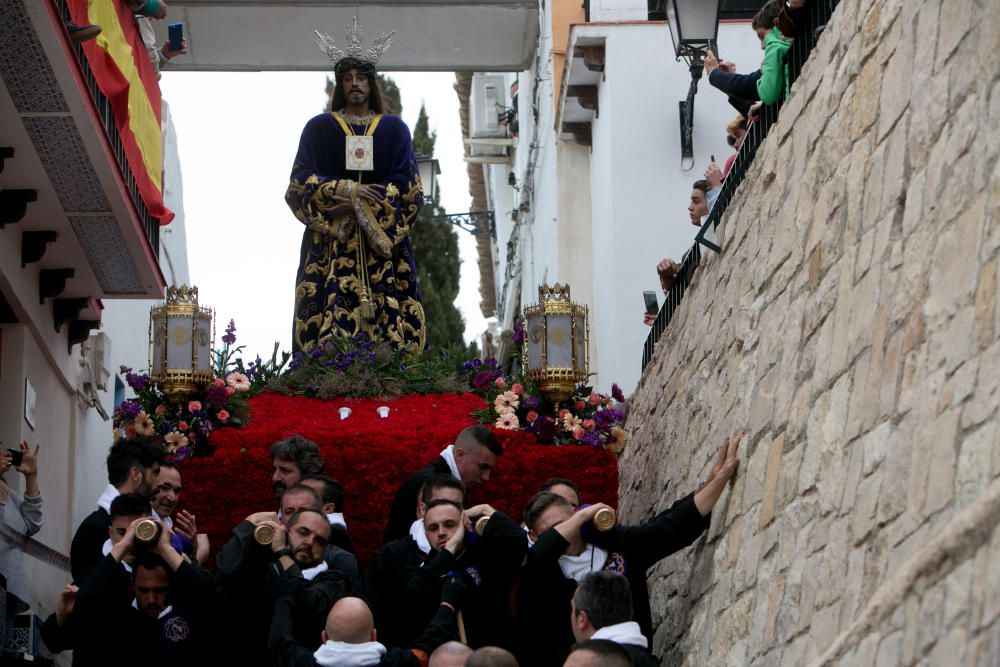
(150, 224)
(811, 23)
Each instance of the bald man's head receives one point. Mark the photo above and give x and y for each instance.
(491, 656)
(350, 621)
(451, 654)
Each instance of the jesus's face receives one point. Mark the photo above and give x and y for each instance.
(356, 87)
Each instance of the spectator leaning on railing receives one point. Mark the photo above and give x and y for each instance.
(667, 269)
(736, 132)
(775, 26)
(21, 516)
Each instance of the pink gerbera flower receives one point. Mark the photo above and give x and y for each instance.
(508, 421)
(238, 381)
(506, 401)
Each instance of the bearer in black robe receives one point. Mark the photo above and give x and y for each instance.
(405, 584)
(567, 548)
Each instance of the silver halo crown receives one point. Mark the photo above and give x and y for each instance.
(355, 50)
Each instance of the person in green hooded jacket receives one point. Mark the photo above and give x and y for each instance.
(774, 25)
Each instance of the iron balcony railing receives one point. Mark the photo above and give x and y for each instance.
(150, 224)
(814, 18)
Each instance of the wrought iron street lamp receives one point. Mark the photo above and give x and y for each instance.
(555, 344)
(180, 344)
(694, 27)
(477, 223)
(429, 171)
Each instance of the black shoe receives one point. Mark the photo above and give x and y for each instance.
(81, 33)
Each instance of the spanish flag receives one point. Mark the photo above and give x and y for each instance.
(120, 64)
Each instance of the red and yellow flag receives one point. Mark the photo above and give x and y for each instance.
(120, 64)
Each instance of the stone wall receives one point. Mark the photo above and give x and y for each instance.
(851, 328)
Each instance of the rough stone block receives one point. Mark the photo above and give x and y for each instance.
(897, 76)
(866, 89)
(954, 274)
(974, 470)
(958, 594)
(941, 464)
(952, 31)
(986, 305)
(874, 446)
(898, 450)
(772, 471)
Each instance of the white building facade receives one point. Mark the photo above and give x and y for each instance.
(594, 193)
(81, 263)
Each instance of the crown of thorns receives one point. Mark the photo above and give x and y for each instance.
(355, 51)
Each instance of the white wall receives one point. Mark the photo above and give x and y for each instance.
(126, 324)
(618, 10)
(636, 206)
(640, 191)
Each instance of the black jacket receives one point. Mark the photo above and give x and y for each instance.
(85, 550)
(339, 537)
(544, 593)
(287, 652)
(250, 580)
(640, 656)
(109, 631)
(404, 587)
(403, 510)
(741, 88)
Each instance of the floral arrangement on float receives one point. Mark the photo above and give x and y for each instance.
(184, 426)
(514, 403)
(182, 407)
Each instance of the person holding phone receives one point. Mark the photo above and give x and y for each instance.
(21, 515)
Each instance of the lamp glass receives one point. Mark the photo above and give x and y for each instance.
(579, 341)
(535, 333)
(560, 340)
(158, 325)
(692, 22)
(202, 347)
(429, 170)
(179, 342)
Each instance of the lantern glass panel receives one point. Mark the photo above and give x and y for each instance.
(158, 320)
(534, 333)
(560, 341)
(579, 341)
(203, 340)
(692, 21)
(179, 342)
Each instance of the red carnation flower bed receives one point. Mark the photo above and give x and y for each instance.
(371, 457)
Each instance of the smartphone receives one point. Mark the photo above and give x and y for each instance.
(16, 456)
(175, 32)
(652, 307)
(713, 158)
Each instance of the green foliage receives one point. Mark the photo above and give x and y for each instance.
(360, 367)
(435, 246)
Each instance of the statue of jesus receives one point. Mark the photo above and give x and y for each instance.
(356, 187)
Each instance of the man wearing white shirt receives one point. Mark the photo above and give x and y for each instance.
(471, 459)
(567, 548)
(602, 609)
(166, 500)
(133, 466)
(397, 560)
(332, 494)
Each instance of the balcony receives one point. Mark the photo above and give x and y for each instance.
(432, 35)
(84, 224)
